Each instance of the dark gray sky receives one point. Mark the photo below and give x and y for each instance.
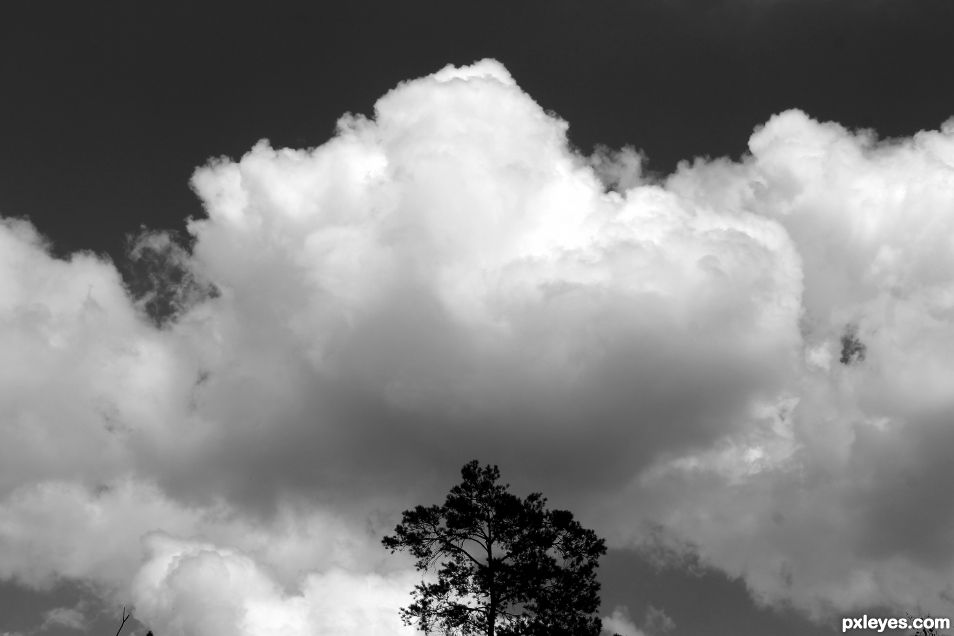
(617, 250)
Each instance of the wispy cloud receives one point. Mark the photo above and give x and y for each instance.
(655, 623)
(69, 617)
(619, 622)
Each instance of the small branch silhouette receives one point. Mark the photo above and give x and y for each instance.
(125, 616)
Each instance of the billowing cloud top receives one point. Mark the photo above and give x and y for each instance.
(752, 356)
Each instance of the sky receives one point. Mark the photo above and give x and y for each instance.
(269, 275)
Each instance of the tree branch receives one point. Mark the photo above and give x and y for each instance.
(460, 549)
(125, 618)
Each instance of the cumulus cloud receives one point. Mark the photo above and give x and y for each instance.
(835, 500)
(449, 269)
(447, 279)
(194, 588)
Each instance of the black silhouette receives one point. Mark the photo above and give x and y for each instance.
(504, 565)
(125, 617)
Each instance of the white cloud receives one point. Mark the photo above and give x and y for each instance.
(847, 511)
(68, 617)
(619, 622)
(451, 262)
(58, 529)
(447, 280)
(188, 588)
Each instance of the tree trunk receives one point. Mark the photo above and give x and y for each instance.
(492, 601)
